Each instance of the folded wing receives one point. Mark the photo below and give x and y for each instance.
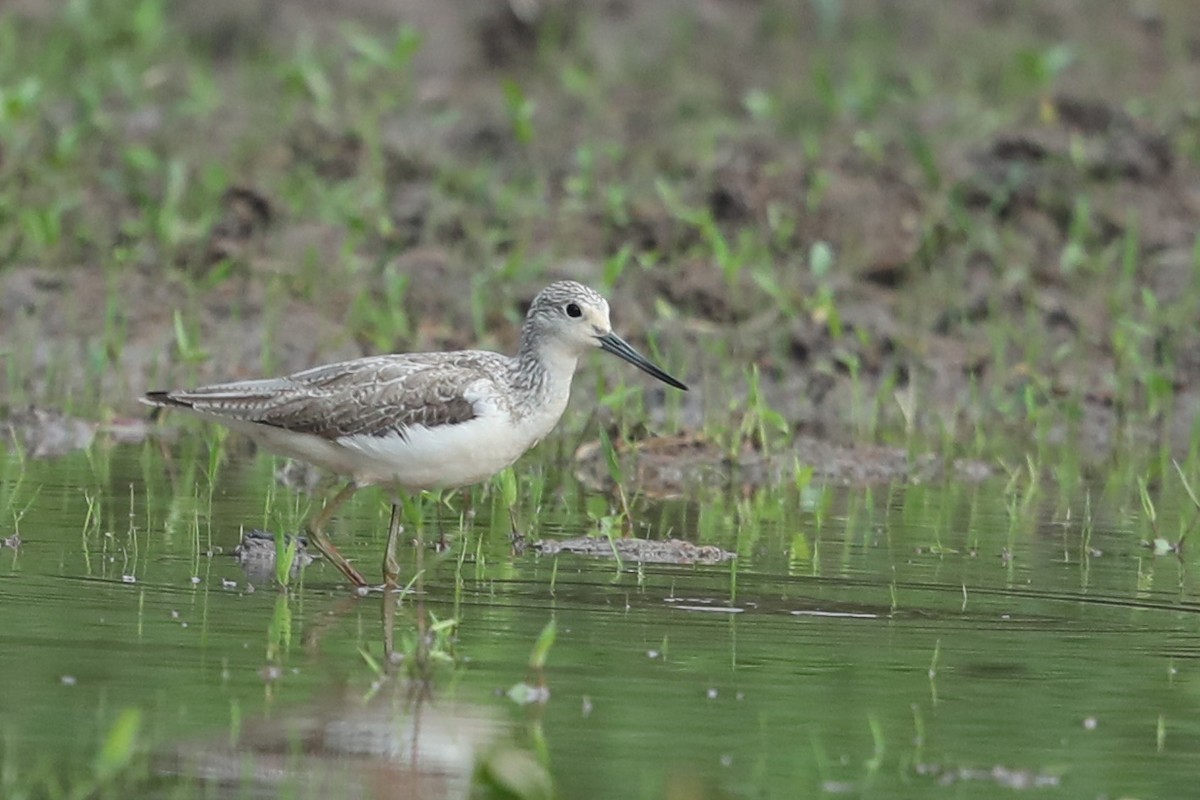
(376, 396)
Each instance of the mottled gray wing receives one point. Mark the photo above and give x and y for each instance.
(374, 396)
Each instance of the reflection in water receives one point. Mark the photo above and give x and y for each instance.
(391, 747)
(397, 742)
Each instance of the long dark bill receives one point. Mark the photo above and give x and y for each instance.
(611, 343)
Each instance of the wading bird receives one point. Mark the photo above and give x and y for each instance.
(419, 421)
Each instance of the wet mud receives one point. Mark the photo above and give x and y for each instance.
(937, 251)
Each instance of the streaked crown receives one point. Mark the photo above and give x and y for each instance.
(558, 295)
(566, 314)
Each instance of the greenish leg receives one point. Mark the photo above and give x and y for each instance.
(391, 568)
(316, 531)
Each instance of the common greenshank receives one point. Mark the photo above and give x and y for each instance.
(419, 421)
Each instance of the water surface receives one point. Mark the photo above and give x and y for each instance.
(895, 642)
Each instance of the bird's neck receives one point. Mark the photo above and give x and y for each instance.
(542, 371)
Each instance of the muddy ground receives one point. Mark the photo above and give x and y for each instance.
(1010, 193)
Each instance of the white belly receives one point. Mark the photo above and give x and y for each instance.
(447, 456)
(444, 457)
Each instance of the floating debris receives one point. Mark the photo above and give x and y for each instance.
(705, 604)
(717, 609)
(1163, 547)
(646, 551)
(524, 694)
(256, 553)
(839, 787)
(1008, 777)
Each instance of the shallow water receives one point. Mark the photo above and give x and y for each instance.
(921, 641)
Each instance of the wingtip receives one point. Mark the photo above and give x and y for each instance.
(160, 400)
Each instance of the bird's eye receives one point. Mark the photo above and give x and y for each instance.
(573, 310)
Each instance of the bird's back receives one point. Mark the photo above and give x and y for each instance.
(375, 395)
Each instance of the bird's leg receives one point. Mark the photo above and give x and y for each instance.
(391, 568)
(516, 536)
(316, 531)
(441, 525)
(422, 628)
